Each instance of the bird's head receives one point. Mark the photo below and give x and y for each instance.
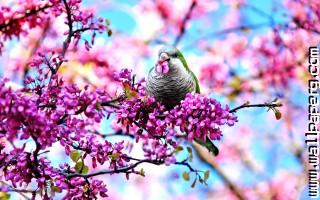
(169, 58)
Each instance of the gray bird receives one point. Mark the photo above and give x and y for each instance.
(170, 80)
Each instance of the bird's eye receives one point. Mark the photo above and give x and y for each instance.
(174, 55)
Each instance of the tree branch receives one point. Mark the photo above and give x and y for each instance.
(130, 167)
(246, 105)
(110, 104)
(70, 33)
(185, 20)
(115, 171)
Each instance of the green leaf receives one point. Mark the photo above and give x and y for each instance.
(56, 189)
(128, 92)
(142, 172)
(114, 156)
(235, 82)
(190, 157)
(189, 149)
(98, 106)
(86, 188)
(85, 169)
(178, 149)
(4, 196)
(78, 167)
(186, 176)
(75, 155)
(206, 175)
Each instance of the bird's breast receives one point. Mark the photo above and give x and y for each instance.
(170, 88)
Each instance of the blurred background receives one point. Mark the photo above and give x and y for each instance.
(241, 50)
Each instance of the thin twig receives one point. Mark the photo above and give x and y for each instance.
(110, 104)
(233, 188)
(228, 30)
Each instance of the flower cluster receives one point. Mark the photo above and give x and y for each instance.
(18, 169)
(201, 117)
(155, 150)
(197, 116)
(52, 114)
(15, 21)
(124, 76)
(305, 14)
(18, 19)
(84, 20)
(39, 115)
(79, 188)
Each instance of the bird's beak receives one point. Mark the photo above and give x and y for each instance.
(163, 57)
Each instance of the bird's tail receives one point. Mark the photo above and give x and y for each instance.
(208, 144)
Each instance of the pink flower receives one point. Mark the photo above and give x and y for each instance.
(162, 67)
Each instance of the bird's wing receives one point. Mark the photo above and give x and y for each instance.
(150, 70)
(185, 65)
(183, 60)
(196, 82)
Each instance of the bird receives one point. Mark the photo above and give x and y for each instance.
(170, 80)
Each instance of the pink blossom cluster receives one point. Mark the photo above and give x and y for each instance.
(54, 113)
(39, 115)
(17, 20)
(305, 14)
(201, 117)
(20, 168)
